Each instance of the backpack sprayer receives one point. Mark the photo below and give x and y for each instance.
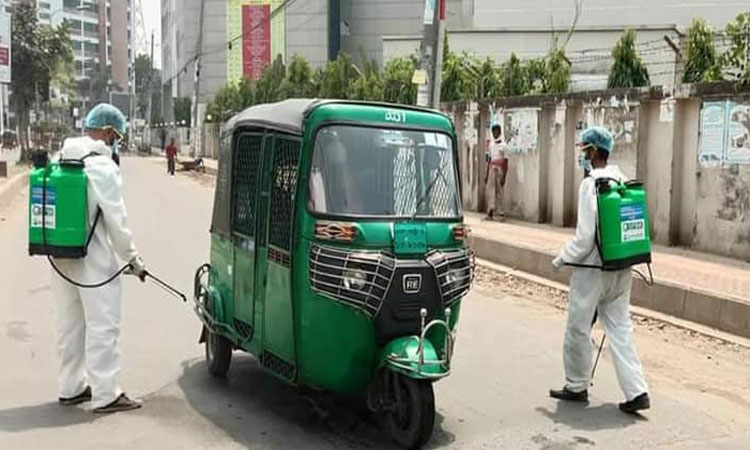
(623, 236)
(58, 216)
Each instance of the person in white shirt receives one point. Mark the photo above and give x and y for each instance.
(497, 170)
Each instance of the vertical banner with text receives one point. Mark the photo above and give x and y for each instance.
(256, 40)
(256, 29)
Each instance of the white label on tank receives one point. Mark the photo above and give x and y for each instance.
(37, 197)
(633, 230)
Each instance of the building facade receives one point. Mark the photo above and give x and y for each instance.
(259, 30)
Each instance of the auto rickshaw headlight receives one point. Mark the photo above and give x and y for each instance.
(355, 280)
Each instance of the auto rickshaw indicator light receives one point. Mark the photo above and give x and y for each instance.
(335, 231)
(461, 232)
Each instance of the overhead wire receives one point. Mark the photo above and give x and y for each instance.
(276, 11)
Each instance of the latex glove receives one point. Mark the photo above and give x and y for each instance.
(558, 263)
(138, 268)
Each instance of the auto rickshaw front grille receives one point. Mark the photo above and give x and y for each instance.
(358, 279)
(454, 271)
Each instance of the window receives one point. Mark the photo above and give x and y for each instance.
(283, 190)
(365, 171)
(247, 154)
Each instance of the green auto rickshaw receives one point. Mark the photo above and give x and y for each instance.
(338, 253)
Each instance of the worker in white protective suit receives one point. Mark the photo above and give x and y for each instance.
(595, 291)
(89, 319)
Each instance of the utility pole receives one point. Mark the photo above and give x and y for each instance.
(196, 90)
(429, 77)
(150, 91)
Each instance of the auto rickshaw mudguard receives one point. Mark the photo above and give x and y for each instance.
(402, 355)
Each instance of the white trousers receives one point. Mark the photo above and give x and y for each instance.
(88, 340)
(608, 293)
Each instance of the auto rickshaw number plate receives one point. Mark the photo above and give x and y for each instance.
(409, 238)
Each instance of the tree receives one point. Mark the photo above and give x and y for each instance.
(536, 76)
(269, 87)
(515, 80)
(337, 77)
(628, 69)
(182, 107)
(701, 61)
(397, 85)
(369, 85)
(38, 51)
(147, 82)
(299, 79)
(736, 59)
(557, 72)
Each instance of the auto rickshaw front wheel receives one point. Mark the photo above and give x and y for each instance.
(218, 354)
(411, 416)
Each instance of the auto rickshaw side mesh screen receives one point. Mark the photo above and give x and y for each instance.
(222, 217)
(247, 161)
(283, 190)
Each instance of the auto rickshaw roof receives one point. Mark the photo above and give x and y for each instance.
(289, 115)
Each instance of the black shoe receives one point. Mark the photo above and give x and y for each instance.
(637, 404)
(570, 396)
(122, 403)
(83, 397)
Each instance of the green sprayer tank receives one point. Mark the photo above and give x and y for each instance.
(63, 230)
(624, 236)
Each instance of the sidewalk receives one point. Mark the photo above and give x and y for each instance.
(707, 289)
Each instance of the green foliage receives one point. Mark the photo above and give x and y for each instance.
(515, 80)
(701, 60)
(628, 69)
(397, 85)
(369, 85)
(182, 107)
(465, 77)
(557, 73)
(39, 54)
(736, 59)
(270, 85)
(337, 77)
(147, 84)
(299, 79)
(536, 76)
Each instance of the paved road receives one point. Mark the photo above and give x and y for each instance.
(508, 355)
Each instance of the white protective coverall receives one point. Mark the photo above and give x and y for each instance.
(591, 290)
(89, 319)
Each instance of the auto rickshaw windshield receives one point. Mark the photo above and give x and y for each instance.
(366, 171)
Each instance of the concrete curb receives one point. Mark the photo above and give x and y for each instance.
(637, 311)
(10, 188)
(705, 308)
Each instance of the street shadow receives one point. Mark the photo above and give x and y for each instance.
(45, 415)
(260, 411)
(581, 417)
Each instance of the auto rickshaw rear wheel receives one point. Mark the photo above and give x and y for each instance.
(411, 416)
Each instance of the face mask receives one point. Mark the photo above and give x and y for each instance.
(585, 163)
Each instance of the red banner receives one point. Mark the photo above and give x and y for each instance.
(4, 56)
(256, 39)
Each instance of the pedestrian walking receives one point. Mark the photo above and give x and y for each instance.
(497, 171)
(597, 292)
(171, 152)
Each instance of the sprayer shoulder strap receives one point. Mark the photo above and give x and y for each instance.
(90, 155)
(98, 209)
